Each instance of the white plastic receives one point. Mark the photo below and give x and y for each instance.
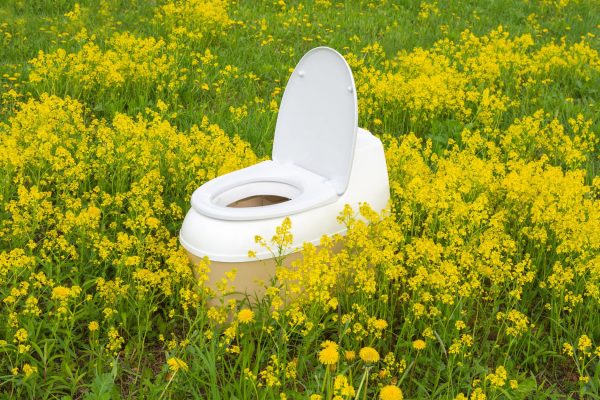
(230, 240)
(304, 189)
(318, 117)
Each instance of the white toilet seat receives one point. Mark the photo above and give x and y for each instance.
(305, 190)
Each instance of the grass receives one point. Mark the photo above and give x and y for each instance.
(113, 112)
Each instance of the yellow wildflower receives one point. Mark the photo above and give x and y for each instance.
(28, 370)
(368, 355)
(329, 355)
(391, 392)
(175, 364)
(245, 316)
(419, 344)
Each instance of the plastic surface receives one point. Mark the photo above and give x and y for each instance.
(304, 189)
(230, 240)
(318, 117)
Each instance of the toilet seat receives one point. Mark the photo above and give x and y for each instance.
(305, 190)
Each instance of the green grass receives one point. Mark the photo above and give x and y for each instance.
(347, 26)
(150, 168)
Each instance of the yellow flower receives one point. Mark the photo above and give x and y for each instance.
(368, 355)
(498, 378)
(329, 343)
(21, 335)
(61, 293)
(584, 343)
(29, 370)
(329, 355)
(93, 326)
(419, 344)
(175, 364)
(245, 316)
(350, 355)
(391, 392)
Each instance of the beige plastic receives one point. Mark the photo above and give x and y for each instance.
(251, 279)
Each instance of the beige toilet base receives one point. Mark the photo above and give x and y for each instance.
(251, 278)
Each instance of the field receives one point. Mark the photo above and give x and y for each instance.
(482, 281)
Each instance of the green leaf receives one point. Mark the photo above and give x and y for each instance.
(102, 388)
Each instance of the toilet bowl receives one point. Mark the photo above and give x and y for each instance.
(321, 161)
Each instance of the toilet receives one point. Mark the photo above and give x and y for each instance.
(321, 161)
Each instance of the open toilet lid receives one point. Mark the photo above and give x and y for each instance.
(318, 117)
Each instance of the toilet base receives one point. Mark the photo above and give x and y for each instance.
(251, 278)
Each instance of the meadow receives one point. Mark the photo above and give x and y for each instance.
(481, 281)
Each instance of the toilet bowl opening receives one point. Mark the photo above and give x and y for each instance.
(257, 194)
(258, 201)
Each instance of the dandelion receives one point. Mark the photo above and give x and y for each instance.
(329, 354)
(93, 326)
(175, 364)
(329, 343)
(368, 355)
(349, 355)
(419, 344)
(391, 392)
(245, 316)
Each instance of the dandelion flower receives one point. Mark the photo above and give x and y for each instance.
(245, 316)
(391, 392)
(419, 344)
(175, 364)
(350, 355)
(368, 355)
(93, 326)
(329, 355)
(329, 343)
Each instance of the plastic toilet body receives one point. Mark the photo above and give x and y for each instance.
(321, 161)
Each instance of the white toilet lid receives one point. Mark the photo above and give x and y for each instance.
(318, 117)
